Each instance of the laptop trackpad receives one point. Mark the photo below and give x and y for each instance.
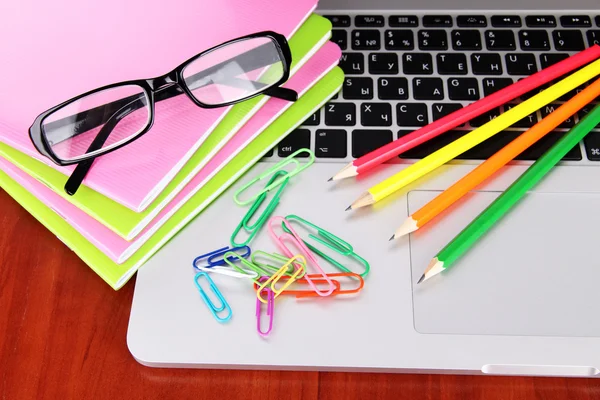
(535, 273)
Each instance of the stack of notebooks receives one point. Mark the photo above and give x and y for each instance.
(137, 198)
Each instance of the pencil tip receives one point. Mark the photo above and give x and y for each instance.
(393, 237)
(349, 208)
(330, 179)
(421, 279)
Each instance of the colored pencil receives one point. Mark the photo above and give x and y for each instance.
(504, 203)
(391, 150)
(498, 160)
(472, 139)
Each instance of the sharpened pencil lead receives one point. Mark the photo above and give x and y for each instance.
(392, 238)
(421, 279)
(349, 208)
(330, 179)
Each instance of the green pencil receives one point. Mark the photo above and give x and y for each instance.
(503, 204)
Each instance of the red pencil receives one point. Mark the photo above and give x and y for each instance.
(459, 117)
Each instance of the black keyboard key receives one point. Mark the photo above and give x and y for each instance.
(340, 37)
(399, 39)
(485, 118)
(576, 21)
(592, 146)
(440, 110)
(269, 153)
(339, 21)
(366, 39)
(412, 114)
(471, 21)
(486, 64)
(340, 114)
(366, 140)
(428, 89)
(376, 114)
(593, 37)
(492, 85)
(466, 89)
(534, 40)
(549, 59)
(298, 139)
(550, 108)
(544, 144)
(392, 88)
(533, 92)
(489, 147)
(313, 120)
(358, 89)
(433, 145)
(506, 21)
(500, 40)
(526, 122)
(404, 21)
(568, 40)
(353, 63)
(540, 21)
(331, 143)
(433, 40)
(437, 21)
(466, 39)
(521, 64)
(366, 21)
(597, 20)
(452, 64)
(383, 63)
(417, 64)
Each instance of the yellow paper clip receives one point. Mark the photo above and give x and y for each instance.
(298, 260)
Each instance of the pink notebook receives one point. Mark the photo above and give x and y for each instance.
(119, 249)
(62, 48)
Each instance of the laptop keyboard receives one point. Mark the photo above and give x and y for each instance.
(405, 71)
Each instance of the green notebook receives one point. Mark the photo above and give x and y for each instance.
(117, 275)
(311, 36)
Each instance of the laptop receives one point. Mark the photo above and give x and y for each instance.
(522, 302)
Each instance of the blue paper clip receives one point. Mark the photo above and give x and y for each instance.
(210, 257)
(211, 306)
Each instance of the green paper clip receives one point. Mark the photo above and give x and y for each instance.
(279, 259)
(248, 266)
(256, 226)
(288, 160)
(330, 241)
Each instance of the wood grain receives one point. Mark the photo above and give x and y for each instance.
(63, 336)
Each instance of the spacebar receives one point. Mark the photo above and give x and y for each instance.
(490, 147)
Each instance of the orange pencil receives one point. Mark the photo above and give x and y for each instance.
(497, 161)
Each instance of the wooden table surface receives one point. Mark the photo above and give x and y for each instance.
(63, 336)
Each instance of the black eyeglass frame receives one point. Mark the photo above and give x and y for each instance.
(154, 85)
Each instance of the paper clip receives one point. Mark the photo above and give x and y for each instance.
(270, 312)
(292, 236)
(255, 227)
(288, 160)
(230, 259)
(331, 241)
(302, 281)
(213, 309)
(281, 260)
(281, 273)
(210, 257)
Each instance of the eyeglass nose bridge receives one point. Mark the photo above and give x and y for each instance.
(164, 81)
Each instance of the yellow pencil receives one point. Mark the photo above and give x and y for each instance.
(472, 139)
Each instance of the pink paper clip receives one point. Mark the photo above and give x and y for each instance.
(270, 309)
(308, 255)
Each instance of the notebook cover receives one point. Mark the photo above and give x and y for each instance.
(117, 275)
(118, 249)
(57, 51)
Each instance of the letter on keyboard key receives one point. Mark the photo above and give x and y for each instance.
(466, 89)
(397, 39)
(428, 88)
(492, 85)
(466, 39)
(358, 89)
(298, 139)
(486, 64)
(526, 122)
(417, 64)
(366, 39)
(452, 64)
(383, 63)
(440, 110)
(331, 143)
(376, 114)
(568, 40)
(521, 64)
(412, 114)
(365, 141)
(340, 114)
(485, 118)
(353, 63)
(392, 88)
(550, 108)
(433, 40)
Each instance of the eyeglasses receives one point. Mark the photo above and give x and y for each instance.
(106, 119)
